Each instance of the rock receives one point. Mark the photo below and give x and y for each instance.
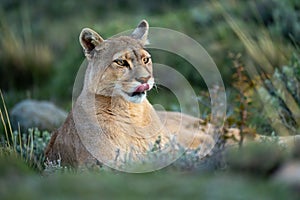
(289, 174)
(40, 114)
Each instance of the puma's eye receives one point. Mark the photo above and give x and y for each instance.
(121, 62)
(146, 60)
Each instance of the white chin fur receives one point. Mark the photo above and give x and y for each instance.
(134, 99)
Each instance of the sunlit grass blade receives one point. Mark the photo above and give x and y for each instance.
(7, 119)
(271, 113)
(20, 140)
(31, 146)
(5, 128)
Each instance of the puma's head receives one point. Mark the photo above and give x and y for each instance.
(118, 66)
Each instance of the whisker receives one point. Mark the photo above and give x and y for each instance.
(156, 87)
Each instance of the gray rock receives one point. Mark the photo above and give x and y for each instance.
(40, 114)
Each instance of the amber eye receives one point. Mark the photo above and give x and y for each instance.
(146, 60)
(121, 62)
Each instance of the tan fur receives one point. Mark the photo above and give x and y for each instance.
(125, 123)
(106, 118)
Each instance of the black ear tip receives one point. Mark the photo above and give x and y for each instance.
(85, 30)
(143, 24)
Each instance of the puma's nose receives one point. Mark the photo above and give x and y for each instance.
(143, 79)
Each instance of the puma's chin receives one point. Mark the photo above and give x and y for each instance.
(134, 97)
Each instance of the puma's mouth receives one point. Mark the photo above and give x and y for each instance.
(140, 90)
(136, 94)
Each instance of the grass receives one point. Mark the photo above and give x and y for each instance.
(150, 186)
(28, 146)
(22, 56)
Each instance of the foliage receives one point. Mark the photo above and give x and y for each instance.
(259, 159)
(245, 91)
(269, 53)
(25, 61)
(281, 90)
(157, 185)
(30, 146)
(12, 164)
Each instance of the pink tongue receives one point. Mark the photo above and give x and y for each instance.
(142, 87)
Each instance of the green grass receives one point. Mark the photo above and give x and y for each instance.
(17, 182)
(149, 186)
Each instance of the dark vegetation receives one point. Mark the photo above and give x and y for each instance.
(255, 45)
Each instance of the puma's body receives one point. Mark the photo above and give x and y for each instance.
(112, 113)
(112, 116)
(130, 127)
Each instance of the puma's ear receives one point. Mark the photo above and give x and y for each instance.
(89, 39)
(141, 32)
